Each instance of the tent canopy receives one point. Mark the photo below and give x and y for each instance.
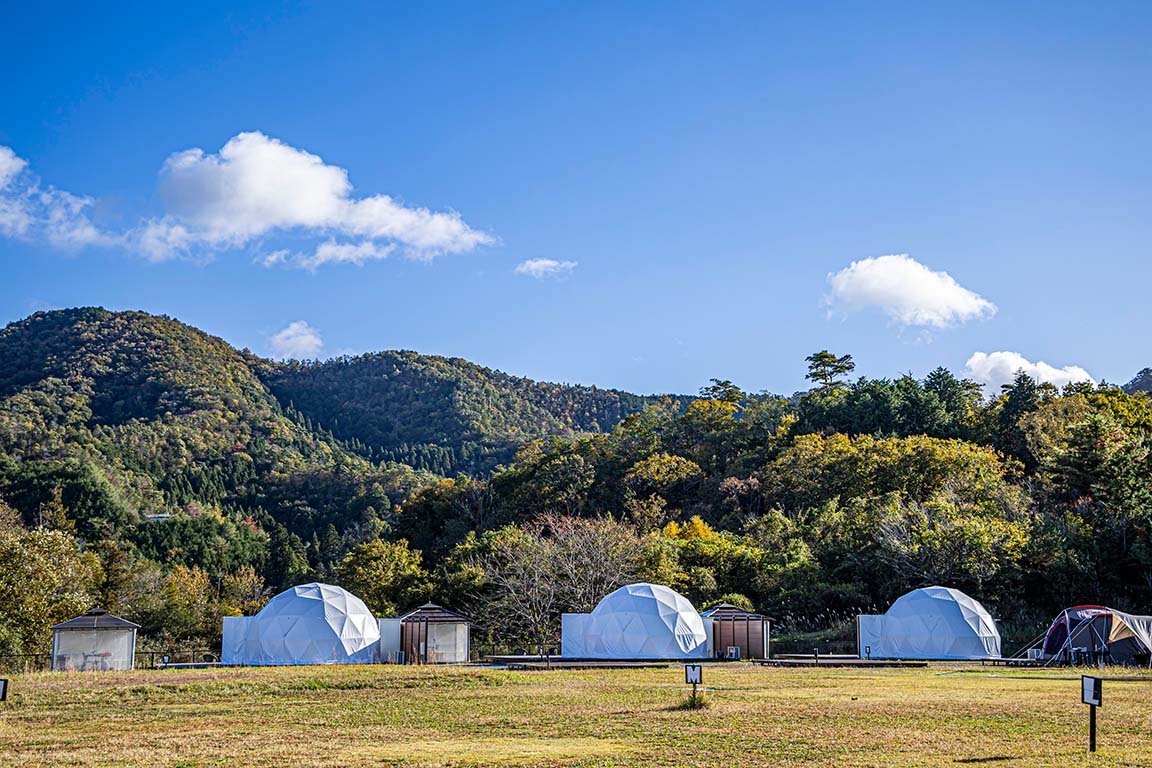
(931, 623)
(95, 641)
(309, 624)
(639, 621)
(1098, 629)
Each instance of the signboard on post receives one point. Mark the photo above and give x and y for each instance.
(3, 689)
(1090, 690)
(693, 674)
(1091, 693)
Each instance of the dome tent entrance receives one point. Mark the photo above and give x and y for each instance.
(930, 623)
(1099, 633)
(308, 624)
(639, 621)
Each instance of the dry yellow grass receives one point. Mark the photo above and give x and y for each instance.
(381, 715)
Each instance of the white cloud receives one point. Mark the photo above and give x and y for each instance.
(257, 185)
(540, 268)
(996, 368)
(30, 211)
(10, 166)
(298, 340)
(907, 291)
(254, 187)
(331, 252)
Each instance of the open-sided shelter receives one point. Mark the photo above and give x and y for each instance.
(428, 635)
(309, 624)
(1090, 633)
(639, 621)
(930, 623)
(737, 633)
(95, 641)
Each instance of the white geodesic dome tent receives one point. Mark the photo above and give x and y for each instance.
(309, 624)
(639, 621)
(930, 623)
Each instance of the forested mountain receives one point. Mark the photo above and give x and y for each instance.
(1141, 383)
(129, 417)
(442, 414)
(152, 468)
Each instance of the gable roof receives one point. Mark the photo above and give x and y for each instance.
(97, 618)
(729, 611)
(434, 614)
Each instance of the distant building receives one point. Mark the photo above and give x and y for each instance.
(96, 641)
(428, 635)
(737, 633)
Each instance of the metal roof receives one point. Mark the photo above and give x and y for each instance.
(97, 618)
(434, 614)
(729, 611)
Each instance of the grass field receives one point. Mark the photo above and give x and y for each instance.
(387, 715)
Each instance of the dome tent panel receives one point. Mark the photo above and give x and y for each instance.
(638, 621)
(931, 623)
(308, 624)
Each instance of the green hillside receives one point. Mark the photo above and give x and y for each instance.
(154, 469)
(132, 417)
(442, 414)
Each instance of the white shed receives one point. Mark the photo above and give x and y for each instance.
(96, 641)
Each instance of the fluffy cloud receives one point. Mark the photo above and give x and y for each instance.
(31, 211)
(907, 291)
(256, 186)
(996, 368)
(10, 166)
(298, 340)
(541, 268)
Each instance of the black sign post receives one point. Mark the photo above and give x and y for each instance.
(3, 689)
(693, 674)
(1091, 694)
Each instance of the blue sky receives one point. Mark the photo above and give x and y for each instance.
(633, 195)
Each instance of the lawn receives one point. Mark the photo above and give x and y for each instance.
(387, 715)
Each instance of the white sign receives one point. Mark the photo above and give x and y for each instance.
(693, 674)
(1091, 690)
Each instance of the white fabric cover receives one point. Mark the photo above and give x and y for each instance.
(639, 621)
(931, 623)
(93, 649)
(389, 651)
(309, 624)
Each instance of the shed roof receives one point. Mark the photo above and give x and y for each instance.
(434, 614)
(729, 611)
(97, 618)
